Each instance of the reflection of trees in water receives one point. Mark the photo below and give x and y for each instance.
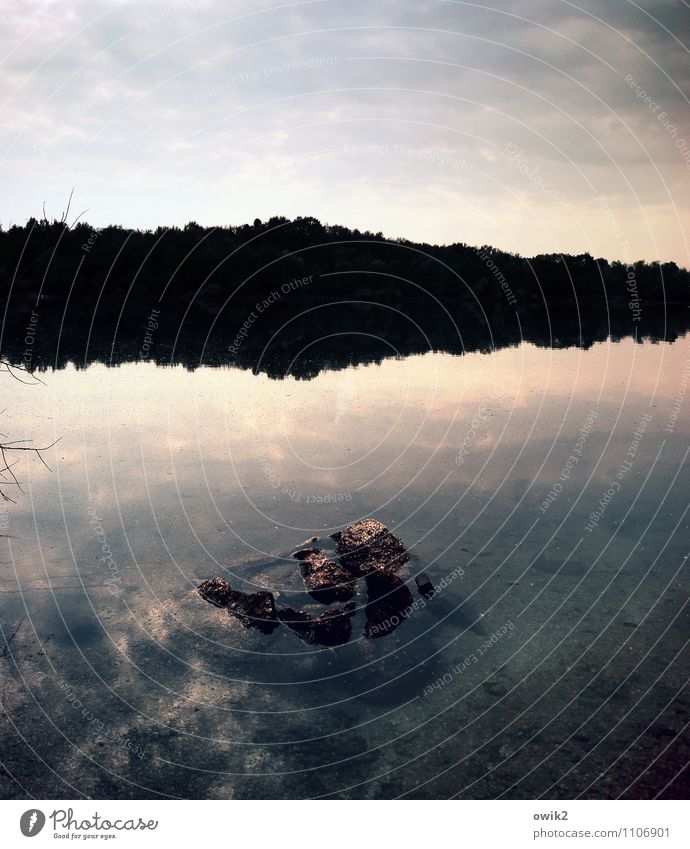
(328, 336)
(366, 299)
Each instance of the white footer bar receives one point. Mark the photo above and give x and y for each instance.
(345, 825)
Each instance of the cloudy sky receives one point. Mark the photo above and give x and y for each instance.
(517, 123)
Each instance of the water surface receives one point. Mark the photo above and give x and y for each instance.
(553, 662)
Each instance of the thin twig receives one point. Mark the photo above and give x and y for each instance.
(66, 212)
(83, 212)
(9, 367)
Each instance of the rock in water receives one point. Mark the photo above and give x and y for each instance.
(216, 590)
(369, 546)
(334, 627)
(298, 621)
(390, 602)
(331, 628)
(424, 585)
(254, 610)
(305, 552)
(366, 548)
(325, 580)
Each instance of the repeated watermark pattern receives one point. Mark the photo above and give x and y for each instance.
(664, 119)
(28, 353)
(421, 154)
(91, 240)
(265, 304)
(294, 494)
(680, 395)
(114, 580)
(487, 259)
(168, 11)
(387, 625)
(495, 637)
(101, 728)
(515, 155)
(479, 418)
(571, 462)
(151, 327)
(619, 477)
(634, 304)
(264, 73)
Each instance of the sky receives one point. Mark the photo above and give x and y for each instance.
(535, 126)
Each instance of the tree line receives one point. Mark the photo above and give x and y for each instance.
(259, 294)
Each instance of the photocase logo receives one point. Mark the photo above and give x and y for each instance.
(32, 822)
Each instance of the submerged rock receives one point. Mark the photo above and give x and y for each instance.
(424, 585)
(305, 552)
(369, 546)
(331, 628)
(298, 621)
(216, 590)
(334, 627)
(254, 610)
(325, 580)
(366, 548)
(390, 602)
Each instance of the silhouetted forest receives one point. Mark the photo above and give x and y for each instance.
(299, 296)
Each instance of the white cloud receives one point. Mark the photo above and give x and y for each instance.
(165, 112)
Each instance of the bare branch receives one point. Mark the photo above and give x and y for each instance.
(83, 212)
(66, 212)
(11, 367)
(7, 475)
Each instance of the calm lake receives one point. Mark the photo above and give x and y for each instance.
(545, 491)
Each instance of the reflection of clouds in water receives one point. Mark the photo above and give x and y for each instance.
(197, 657)
(346, 393)
(127, 458)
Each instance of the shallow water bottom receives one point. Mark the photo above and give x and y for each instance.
(552, 662)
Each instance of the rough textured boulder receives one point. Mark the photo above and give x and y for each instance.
(390, 602)
(334, 627)
(299, 622)
(325, 580)
(217, 591)
(254, 610)
(305, 552)
(368, 546)
(331, 628)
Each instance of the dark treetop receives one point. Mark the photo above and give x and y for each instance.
(298, 296)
